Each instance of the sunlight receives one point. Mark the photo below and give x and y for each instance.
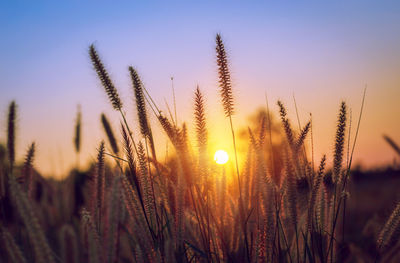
(221, 157)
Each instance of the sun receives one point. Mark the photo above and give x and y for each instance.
(221, 157)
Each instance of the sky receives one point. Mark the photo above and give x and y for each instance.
(319, 52)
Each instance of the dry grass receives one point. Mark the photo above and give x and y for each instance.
(130, 207)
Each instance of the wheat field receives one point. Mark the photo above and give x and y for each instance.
(279, 205)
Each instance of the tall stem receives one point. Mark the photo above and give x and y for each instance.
(236, 159)
(241, 207)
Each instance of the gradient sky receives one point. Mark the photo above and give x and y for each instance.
(321, 52)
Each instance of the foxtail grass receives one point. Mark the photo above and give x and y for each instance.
(140, 102)
(90, 237)
(226, 93)
(110, 134)
(314, 195)
(105, 78)
(77, 137)
(392, 144)
(225, 86)
(27, 170)
(11, 129)
(69, 244)
(388, 233)
(185, 209)
(200, 122)
(111, 234)
(144, 124)
(13, 250)
(286, 124)
(339, 142)
(41, 248)
(224, 78)
(99, 188)
(109, 88)
(201, 137)
(78, 124)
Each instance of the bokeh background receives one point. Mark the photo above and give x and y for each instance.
(319, 52)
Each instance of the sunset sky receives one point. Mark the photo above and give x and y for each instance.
(320, 52)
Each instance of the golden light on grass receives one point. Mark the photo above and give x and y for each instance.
(190, 191)
(221, 157)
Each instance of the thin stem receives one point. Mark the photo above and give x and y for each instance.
(115, 157)
(312, 145)
(152, 187)
(241, 207)
(285, 240)
(349, 166)
(236, 159)
(297, 243)
(270, 136)
(173, 95)
(298, 122)
(129, 131)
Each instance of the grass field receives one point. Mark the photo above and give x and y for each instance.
(131, 205)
